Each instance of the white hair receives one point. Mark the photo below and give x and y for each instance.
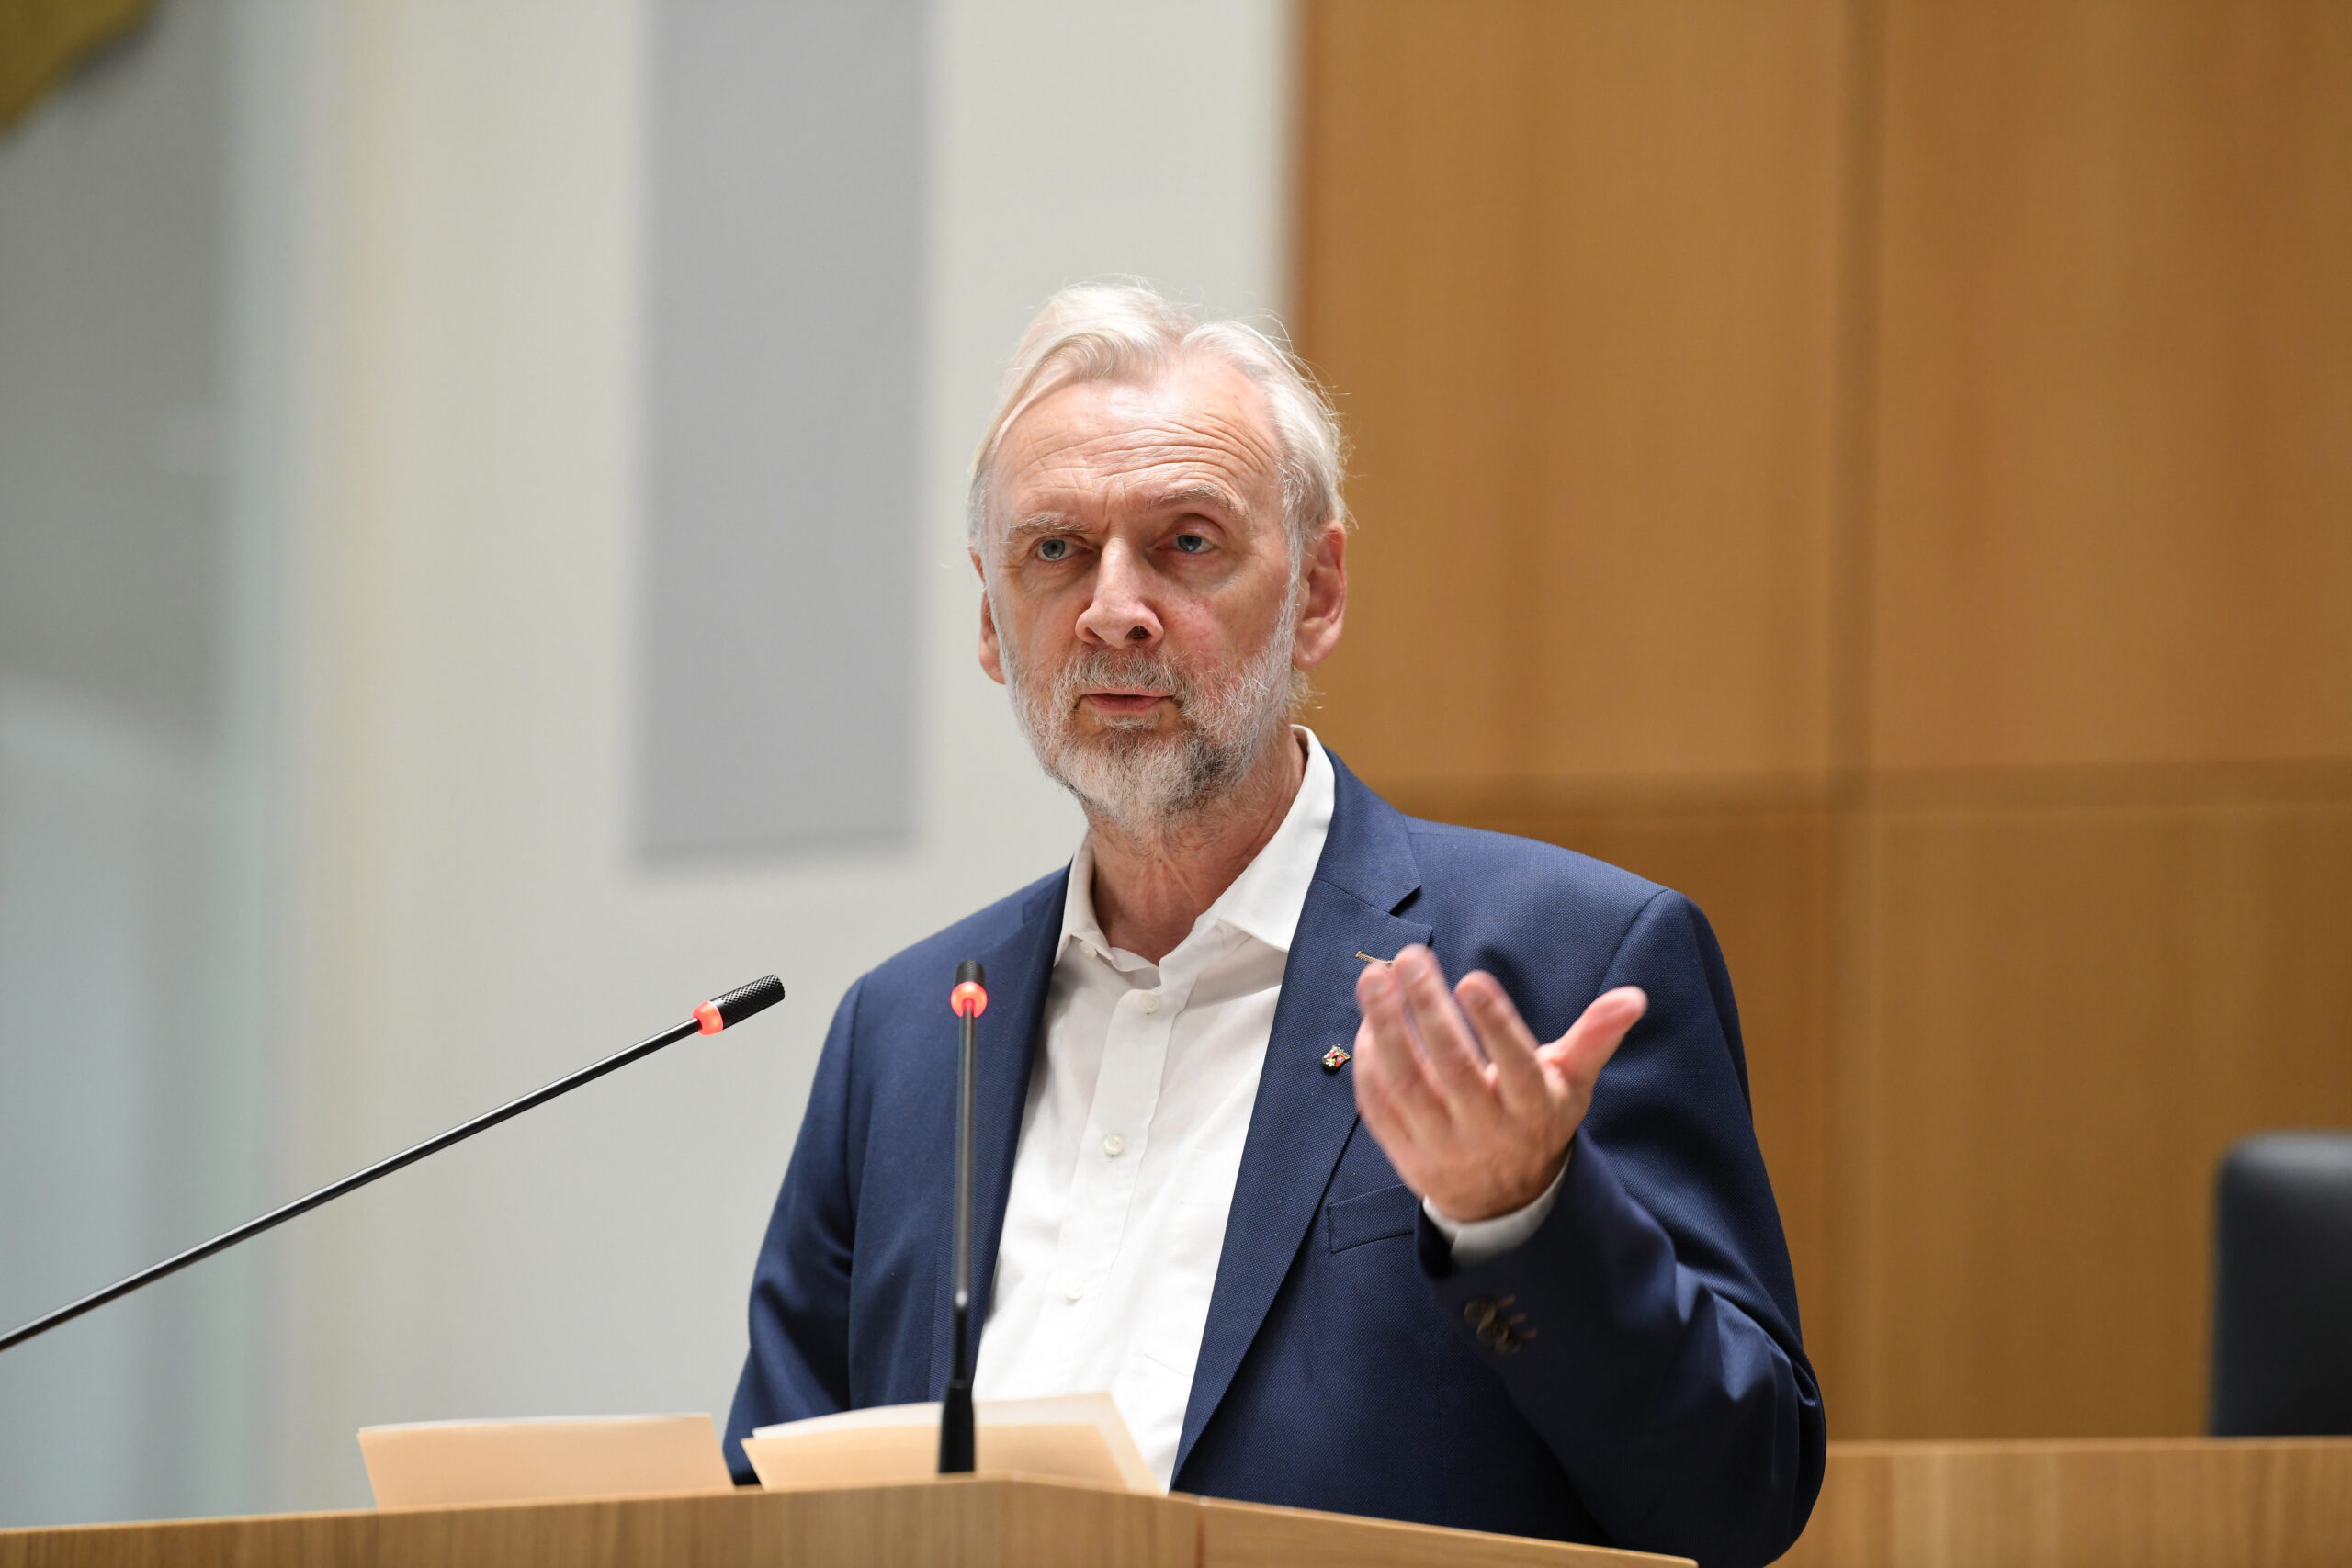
(1126, 331)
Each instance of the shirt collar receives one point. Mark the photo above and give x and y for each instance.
(1266, 900)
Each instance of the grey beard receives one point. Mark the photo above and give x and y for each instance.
(1139, 779)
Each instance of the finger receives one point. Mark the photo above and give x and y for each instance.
(1386, 1121)
(1387, 1054)
(1375, 1104)
(1510, 1045)
(1585, 1049)
(1398, 1130)
(1399, 1085)
(1453, 1053)
(1380, 992)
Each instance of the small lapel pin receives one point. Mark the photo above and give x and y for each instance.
(1371, 958)
(1335, 1058)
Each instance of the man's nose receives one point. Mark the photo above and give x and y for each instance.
(1120, 614)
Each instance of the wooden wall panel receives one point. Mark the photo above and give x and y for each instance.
(2114, 408)
(1418, 179)
(2074, 1008)
(1572, 270)
(1884, 468)
(1677, 569)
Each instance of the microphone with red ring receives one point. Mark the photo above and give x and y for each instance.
(968, 1000)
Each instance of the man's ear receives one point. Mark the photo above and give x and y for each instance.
(1325, 589)
(991, 656)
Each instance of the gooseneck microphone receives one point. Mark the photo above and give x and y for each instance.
(970, 998)
(709, 1019)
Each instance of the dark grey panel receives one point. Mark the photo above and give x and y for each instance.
(114, 200)
(783, 416)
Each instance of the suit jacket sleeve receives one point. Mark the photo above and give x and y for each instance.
(1652, 1328)
(798, 1363)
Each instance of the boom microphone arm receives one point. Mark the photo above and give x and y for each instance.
(709, 1019)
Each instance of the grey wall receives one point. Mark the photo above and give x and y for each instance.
(783, 419)
(454, 471)
(130, 1020)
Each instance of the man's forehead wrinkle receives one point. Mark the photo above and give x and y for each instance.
(1176, 437)
(1142, 447)
(1197, 493)
(1085, 476)
(1091, 426)
(1079, 506)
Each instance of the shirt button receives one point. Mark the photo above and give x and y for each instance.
(1149, 1002)
(1074, 1289)
(1113, 1144)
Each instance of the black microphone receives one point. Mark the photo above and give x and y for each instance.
(709, 1019)
(970, 998)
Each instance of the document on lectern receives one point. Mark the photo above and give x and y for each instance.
(432, 1463)
(1076, 1437)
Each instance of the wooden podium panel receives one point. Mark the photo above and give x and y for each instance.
(961, 1522)
(2186, 1502)
(2194, 1502)
(1250, 1535)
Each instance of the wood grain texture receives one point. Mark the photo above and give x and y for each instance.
(955, 1523)
(1418, 133)
(1938, 414)
(947, 1523)
(1572, 270)
(2238, 1503)
(1244, 1535)
(2072, 1009)
(2113, 521)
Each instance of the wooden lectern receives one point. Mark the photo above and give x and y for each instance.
(2190, 1503)
(951, 1522)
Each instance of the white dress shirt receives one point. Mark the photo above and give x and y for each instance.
(1131, 1142)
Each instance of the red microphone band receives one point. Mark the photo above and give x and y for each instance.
(969, 999)
(740, 1004)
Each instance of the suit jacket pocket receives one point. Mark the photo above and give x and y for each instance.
(1371, 1216)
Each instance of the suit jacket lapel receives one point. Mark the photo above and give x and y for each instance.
(1303, 1114)
(1019, 968)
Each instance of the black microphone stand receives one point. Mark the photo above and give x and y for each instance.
(955, 1441)
(709, 1019)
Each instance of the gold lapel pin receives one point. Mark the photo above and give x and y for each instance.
(1335, 1058)
(1371, 958)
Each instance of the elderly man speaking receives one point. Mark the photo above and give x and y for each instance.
(1335, 1230)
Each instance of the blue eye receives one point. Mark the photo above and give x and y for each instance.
(1190, 544)
(1052, 549)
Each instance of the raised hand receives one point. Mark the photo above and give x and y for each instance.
(1475, 1114)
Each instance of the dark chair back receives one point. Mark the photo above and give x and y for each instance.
(2282, 1303)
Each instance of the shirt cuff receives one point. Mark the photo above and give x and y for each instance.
(1475, 1241)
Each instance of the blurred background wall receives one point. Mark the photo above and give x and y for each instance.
(426, 833)
(142, 437)
(1883, 467)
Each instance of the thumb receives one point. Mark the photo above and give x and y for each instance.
(1585, 1048)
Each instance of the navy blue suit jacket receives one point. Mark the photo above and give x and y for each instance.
(1655, 1394)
